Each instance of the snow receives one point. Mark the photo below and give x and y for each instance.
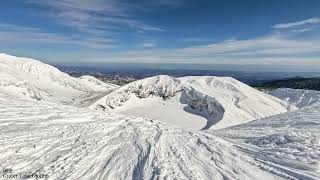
(96, 84)
(241, 103)
(32, 79)
(204, 102)
(289, 142)
(65, 142)
(297, 97)
(41, 136)
(164, 110)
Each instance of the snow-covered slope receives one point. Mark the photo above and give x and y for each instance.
(289, 143)
(297, 97)
(64, 142)
(193, 102)
(241, 102)
(96, 84)
(32, 79)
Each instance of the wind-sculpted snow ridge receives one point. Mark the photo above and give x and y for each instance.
(193, 102)
(64, 142)
(32, 79)
(297, 97)
(289, 142)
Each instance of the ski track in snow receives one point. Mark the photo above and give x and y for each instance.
(76, 143)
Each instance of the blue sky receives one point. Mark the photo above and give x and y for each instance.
(266, 32)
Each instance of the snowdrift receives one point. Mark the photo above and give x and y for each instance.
(192, 102)
(32, 79)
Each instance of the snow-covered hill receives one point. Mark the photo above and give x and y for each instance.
(297, 97)
(64, 142)
(193, 102)
(32, 79)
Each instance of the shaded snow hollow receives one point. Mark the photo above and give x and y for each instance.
(193, 102)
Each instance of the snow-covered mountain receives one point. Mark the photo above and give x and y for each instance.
(193, 102)
(64, 142)
(32, 79)
(297, 97)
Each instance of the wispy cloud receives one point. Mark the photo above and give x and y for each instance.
(310, 21)
(13, 34)
(269, 49)
(93, 15)
(147, 44)
(195, 40)
(93, 23)
(267, 45)
(97, 22)
(277, 47)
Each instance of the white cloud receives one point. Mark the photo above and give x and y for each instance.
(92, 15)
(268, 45)
(147, 44)
(195, 40)
(310, 21)
(13, 34)
(272, 49)
(99, 21)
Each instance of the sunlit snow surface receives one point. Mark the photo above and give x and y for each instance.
(75, 143)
